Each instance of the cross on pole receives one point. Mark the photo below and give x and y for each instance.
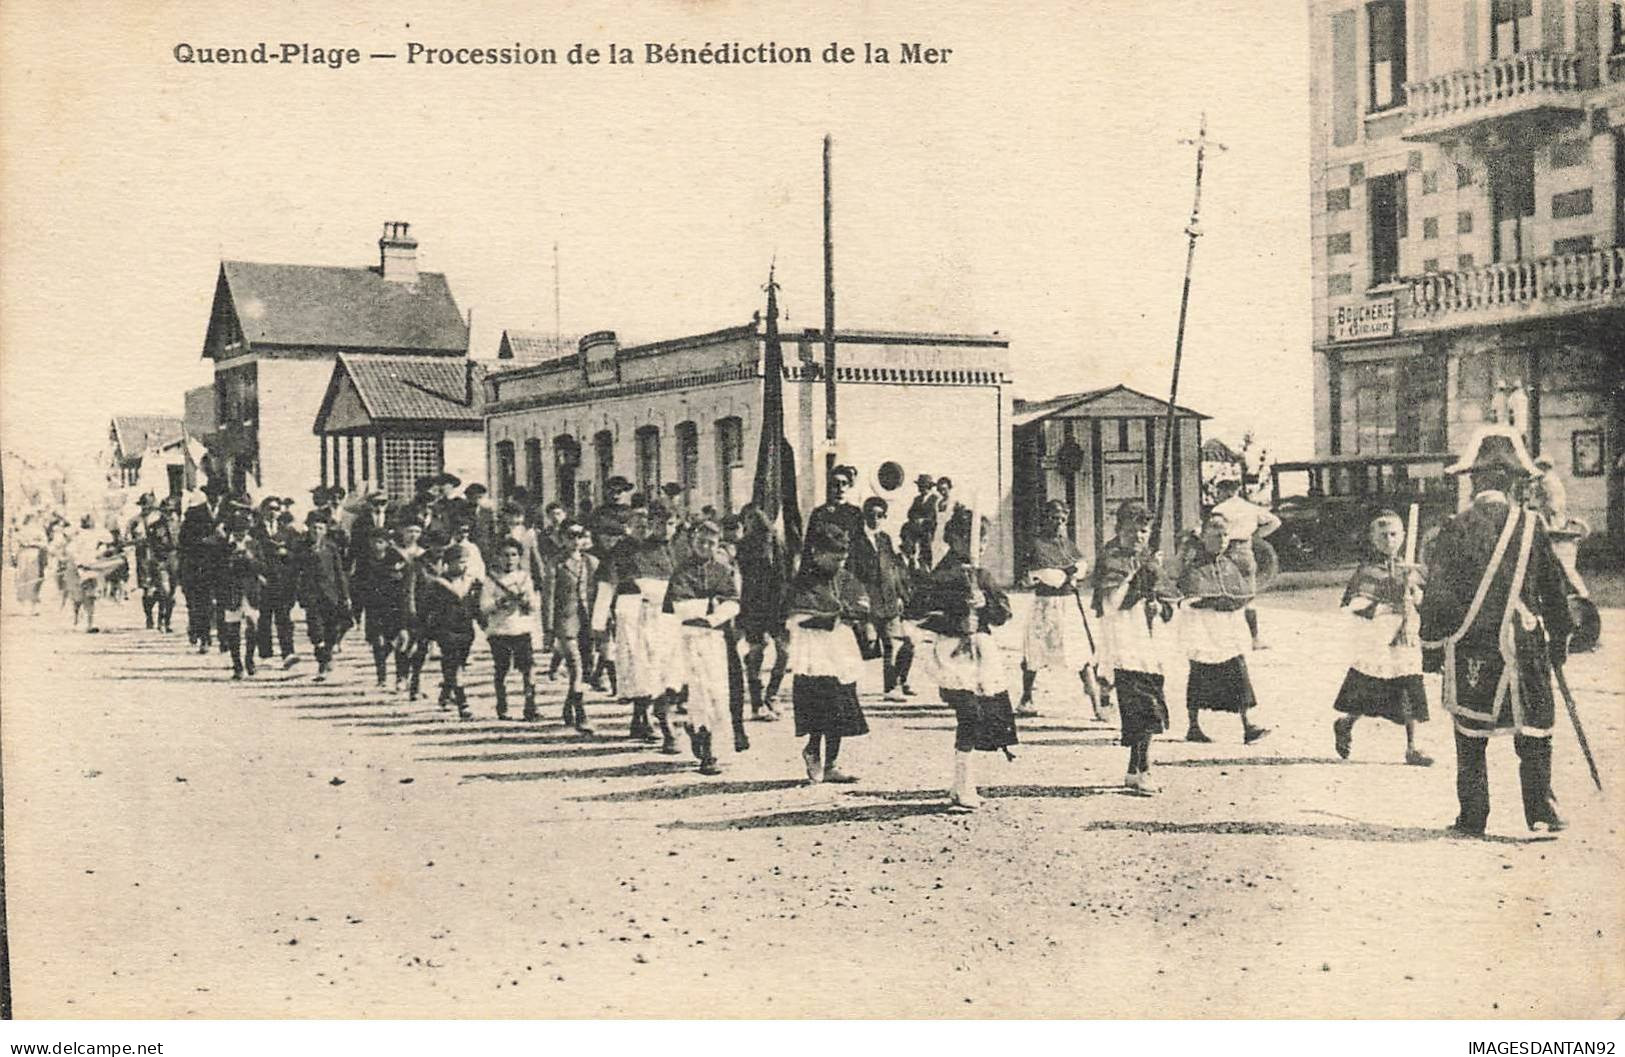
(1193, 231)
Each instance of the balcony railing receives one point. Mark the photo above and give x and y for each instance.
(1526, 81)
(1566, 281)
(1616, 66)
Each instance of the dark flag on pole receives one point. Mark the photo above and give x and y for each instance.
(774, 491)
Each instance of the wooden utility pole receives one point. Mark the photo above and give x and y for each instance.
(829, 316)
(1192, 233)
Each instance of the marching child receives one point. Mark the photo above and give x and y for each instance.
(378, 596)
(508, 612)
(1384, 679)
(323, 589)
(704, 597)
(445, 607)
(575, 585)
(1134, 603)
(634, 576)
(1057, 636)
(961, 606)
(1214, 632)
(241, 586)
(826, 603)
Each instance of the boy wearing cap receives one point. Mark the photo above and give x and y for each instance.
(509, 605)
(239, 596)
(163, 558)
(378, 597)
(275, 542)
(575, 585)
(703, 597)
(1134, 603)
(322, 586)
(444, 601)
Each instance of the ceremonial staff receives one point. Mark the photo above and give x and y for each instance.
(1192, 232)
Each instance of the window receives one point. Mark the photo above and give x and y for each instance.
(1375, 426)
(1420, 416)
(1430, 227)
(1571, 203)
(1430, 182)
(1464, 177)
(603, 459)
(1464, 262)
(1577, 244)
(1619, 28)
(1513, 27)
(533, 468)
(1342, 242)
(1512, 203)
(647, 443)
(1430, 265)
(1387, 37)
(1337, 199)
(1385, 199)
(1464, 222)
(688, 461)
(1570, 152)
(507, 476)
(408, 458)
(1339, 284)
(730, 435)
(566, 463)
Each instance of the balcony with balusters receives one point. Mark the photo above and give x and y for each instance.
(1524, 84)
(1499, 293)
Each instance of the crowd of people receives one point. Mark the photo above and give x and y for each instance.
(677, 613)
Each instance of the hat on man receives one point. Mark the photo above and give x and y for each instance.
(925, 480)
(378, 499)
(1057, 506)
(848, 472)
(270, 504)
(147, 499)
(318, 495)
(317, 517)
(449, 479)
(672, 489)
(1495, 448)
(617, 485)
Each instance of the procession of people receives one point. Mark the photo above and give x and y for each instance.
(695, 621)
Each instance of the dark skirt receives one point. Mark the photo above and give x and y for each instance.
(825, 705)
(1220, 687)
(1140, 705)
(985, 724)
(1366, 695)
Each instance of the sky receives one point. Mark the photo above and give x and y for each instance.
(1034, 185)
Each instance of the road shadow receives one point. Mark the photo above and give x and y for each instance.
(1072, 741)
(1275, 761)
(683, 792)
(647, 769)
(1050, 792)
(1369, 832)
(568, 751)
(826, 816)
(344, 717)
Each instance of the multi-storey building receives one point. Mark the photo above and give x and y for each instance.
(1469, 231)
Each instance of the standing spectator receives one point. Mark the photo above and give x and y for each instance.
(1248, 522)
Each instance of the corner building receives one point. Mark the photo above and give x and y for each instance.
(1469, 231)
(689, 411)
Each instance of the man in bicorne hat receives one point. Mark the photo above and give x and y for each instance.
(1494, 607)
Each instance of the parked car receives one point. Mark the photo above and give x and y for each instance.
(1325, 504)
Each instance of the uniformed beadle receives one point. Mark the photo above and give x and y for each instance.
(1495, 616)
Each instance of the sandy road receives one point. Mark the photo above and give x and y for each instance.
(178, 845)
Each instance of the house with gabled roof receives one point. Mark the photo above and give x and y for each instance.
(1096, 449)
(275, 334)
(395, 419)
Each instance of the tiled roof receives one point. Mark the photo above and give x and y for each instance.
(349, 308)
(136, 433)
(532, 346)
(417, 388)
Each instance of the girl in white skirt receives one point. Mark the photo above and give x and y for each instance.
(635, 575)
(1214, 633)
(703, 597)
(1384, 679)
(1058, 636)
(961, 605)
(825, 605)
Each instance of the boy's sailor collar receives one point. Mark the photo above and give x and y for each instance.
(1490, 495)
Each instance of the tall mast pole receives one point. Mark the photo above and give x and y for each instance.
(1192, 233)
(829, 307)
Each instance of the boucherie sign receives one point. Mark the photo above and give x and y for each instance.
(1372, 320)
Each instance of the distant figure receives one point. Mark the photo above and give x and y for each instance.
(1550, 495)
(1248, 522)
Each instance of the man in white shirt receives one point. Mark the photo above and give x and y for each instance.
(1248, 522)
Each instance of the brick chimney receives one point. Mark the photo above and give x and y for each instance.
(398, 253)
